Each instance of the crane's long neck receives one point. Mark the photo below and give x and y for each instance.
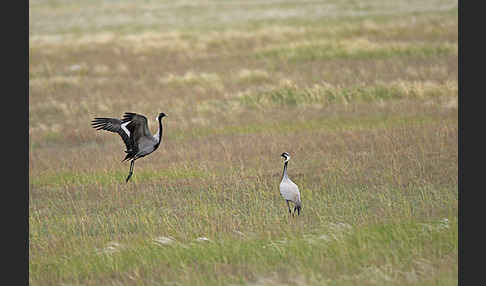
(158, 135)
(284, 174)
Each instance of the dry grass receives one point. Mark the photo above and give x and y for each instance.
(362, 95)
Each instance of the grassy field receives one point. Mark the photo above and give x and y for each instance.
(363, 95)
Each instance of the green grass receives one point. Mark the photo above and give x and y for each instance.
(396, 239)
(208, 259)
(326, 51)
(71, 178)
(325, 95)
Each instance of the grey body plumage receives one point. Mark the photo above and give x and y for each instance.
(288, 189)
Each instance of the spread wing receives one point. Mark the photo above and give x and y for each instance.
(113, 125)
(137, 125)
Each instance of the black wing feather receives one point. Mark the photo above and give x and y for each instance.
(113, 125)
(138, 126)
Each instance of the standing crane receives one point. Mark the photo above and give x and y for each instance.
(288, 189)
(134, 131)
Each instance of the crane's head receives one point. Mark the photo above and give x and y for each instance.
(161, 115)
(286, 156)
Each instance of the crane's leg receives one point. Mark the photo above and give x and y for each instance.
(297, 209)
(131, 170)
(288, 205)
